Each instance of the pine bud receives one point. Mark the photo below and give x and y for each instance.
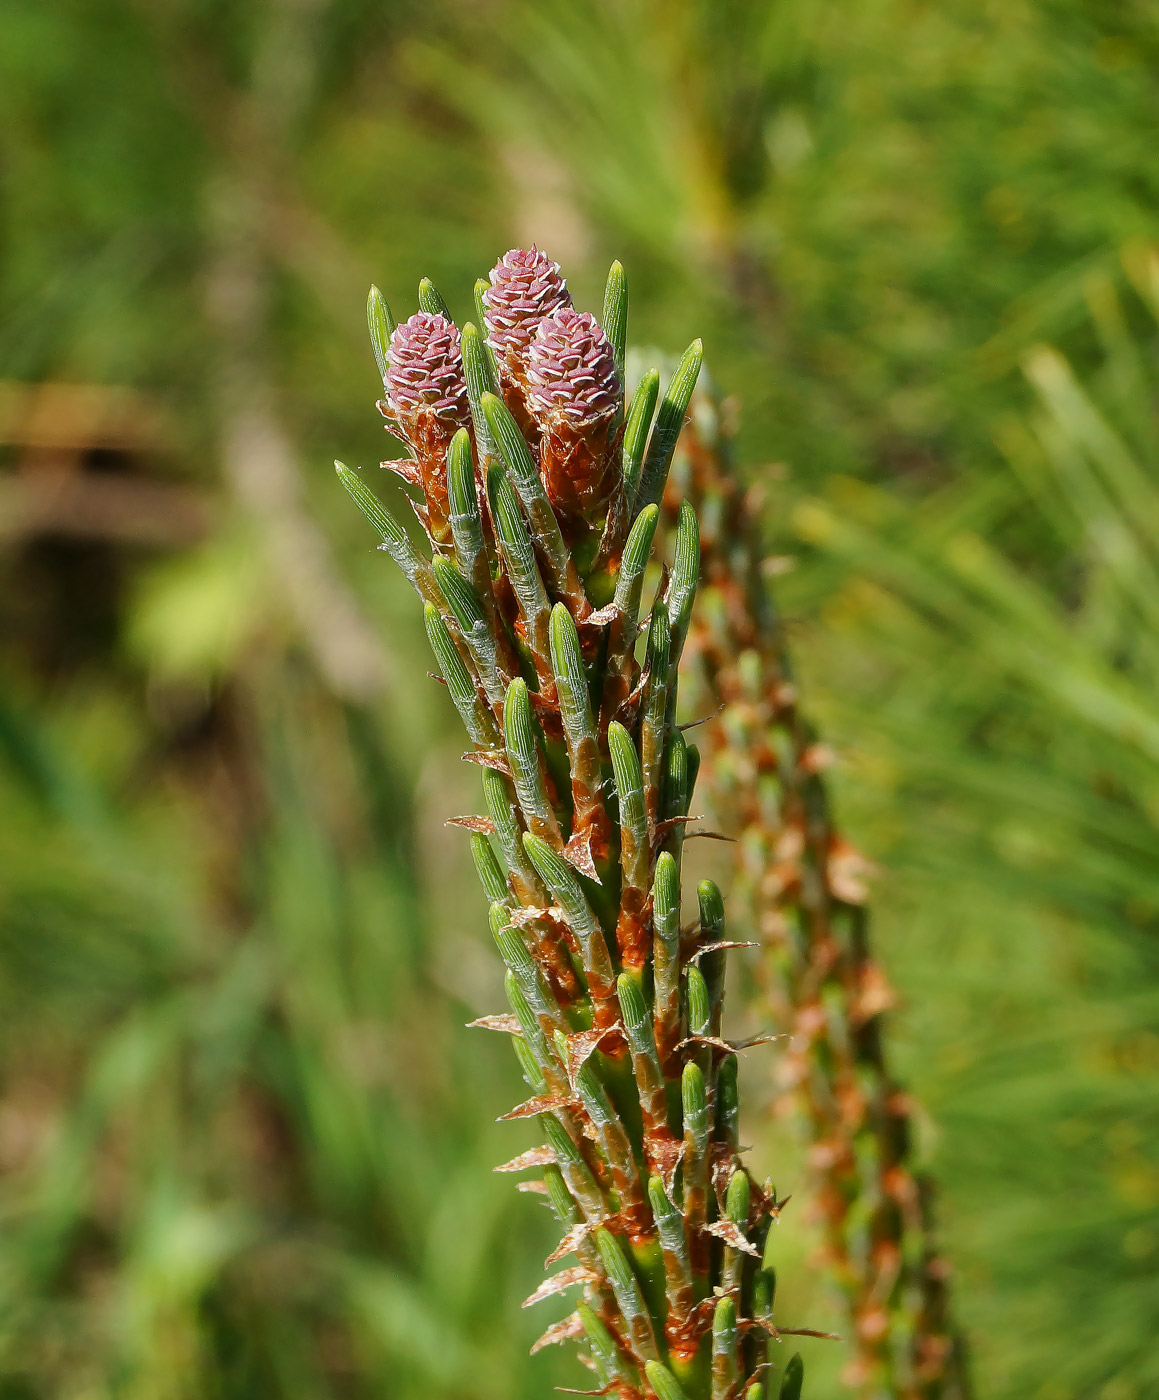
(525, 287)
(426, 368)
(427, 393)
(724, 1350)
(573, 395)
(606, 1358)
(571, 369)
(663, 1382)
(791, 1380)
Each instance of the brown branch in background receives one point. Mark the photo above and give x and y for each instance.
(118, 506)
(54, 433)
(799, 883)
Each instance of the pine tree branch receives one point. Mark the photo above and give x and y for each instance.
(540, 517)
(798, 884)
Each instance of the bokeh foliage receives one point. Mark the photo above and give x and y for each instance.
(245, 1143)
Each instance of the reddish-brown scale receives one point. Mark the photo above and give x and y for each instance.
(591, 828)
(551, 953)
(614, 1323)
(573, 395)
(619, 701)
(634, 929)
(596, 1164)
(658, 1140)
(544, 676)
(700, 1243)
(635, 1218)
(427, 395)
(547, 712)
(525, 893)
(605, 1006)
(589, 842)
(572, 941)
(684, 1343)
(666, 1029)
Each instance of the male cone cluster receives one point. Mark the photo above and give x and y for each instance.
(558, 638)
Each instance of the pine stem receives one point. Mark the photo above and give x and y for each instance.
(533, 592)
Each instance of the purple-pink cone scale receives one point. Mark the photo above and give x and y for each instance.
(426, 369)
(525, 287)
(571, 371)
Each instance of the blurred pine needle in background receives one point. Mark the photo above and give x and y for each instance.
(242, 1133)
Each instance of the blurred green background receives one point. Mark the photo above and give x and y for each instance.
(244, 1140)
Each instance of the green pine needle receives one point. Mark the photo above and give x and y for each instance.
(664, 1383)
(615, 314)
(490, 872)
(381, 324)
(640, 412)
(669, 422)
(430, 301)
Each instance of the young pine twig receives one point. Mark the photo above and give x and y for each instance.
(537, 488)
(800, 892)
